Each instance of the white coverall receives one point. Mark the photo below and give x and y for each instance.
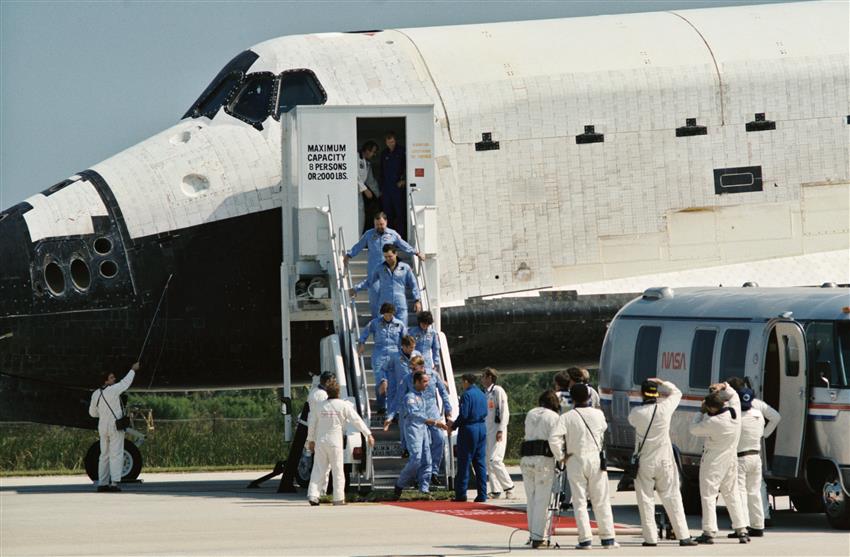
(566, 402)
(326, 427)
(111, 464)
(539, 471)
(718, 470)
(315, 397)
(749, 467)
(657, 470)
(772, 419)
(586, 478)
(498, 478)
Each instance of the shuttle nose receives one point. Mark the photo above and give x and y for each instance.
(15, 279)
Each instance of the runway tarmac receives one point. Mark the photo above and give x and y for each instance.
(215, 514)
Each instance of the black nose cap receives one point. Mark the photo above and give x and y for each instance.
(15, 253)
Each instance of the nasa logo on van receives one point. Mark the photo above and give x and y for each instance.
(673, 360)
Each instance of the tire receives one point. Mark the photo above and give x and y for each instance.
(808, 503)
(836, 504)
(132, 461)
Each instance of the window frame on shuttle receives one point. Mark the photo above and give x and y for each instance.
(240, 63)
(232, 106)
(316, 87)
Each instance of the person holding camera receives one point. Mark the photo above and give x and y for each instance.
(498, 415)
(538, 461)
(582, 431)
(106, 406)
(653, 461)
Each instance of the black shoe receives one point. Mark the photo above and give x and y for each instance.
(405, 454)
(755, 532)
(687, 542)
(437, 481)
(704, 539)
(536, 543)
(397, 493)
(313, 502)
(459, 500)
(103, 489)
(647, 544)
(768, 523)
(114, 489)
(480, 499)
(743, 538)
(566, 506)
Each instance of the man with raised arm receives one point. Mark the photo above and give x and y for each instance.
(106, 406)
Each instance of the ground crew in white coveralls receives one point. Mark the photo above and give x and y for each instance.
(106, 406)
(719, 422)
(538, 463)
(771, 419)
(582, 431)
(656, 468)
(749, 463)
(498, 416)
(324, 439)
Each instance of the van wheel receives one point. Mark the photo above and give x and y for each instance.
(808, 503)
(132, 461)
(690, 497)
(836, 503)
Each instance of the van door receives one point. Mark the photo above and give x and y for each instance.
(793, 403)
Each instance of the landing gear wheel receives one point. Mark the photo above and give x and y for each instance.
(836, 503)
(132, 461)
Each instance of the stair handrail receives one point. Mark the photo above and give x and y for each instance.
(348, 283)
(445, 372)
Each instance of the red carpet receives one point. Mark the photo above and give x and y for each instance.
(482, 512)
(500, 516)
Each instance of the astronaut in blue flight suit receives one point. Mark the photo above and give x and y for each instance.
(471, 439)
(394, 278)
(393, 371)
(414, 407)
(393, 182)
(427, 341)
(435, 385)
(375, 240)
(387, 332)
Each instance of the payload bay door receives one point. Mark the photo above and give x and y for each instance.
(793, 400)
(325, 149)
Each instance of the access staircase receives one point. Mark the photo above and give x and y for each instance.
(383, 463)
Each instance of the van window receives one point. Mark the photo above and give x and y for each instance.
(733, 354)
(646, 354)
(702, 356)
(792, 356)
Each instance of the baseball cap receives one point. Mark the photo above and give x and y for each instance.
(649, 389)
(747, 396)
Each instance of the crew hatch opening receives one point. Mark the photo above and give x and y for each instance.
(388, 173)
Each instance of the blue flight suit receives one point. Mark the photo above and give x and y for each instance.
(393, 200)
(471, 442)
(437, 436)
(387, 336)
(393, 370)
(375, 243)
(428, 343)
(392, 286)
(414, 412)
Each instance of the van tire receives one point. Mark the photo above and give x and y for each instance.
(836, 503)
(690, 497)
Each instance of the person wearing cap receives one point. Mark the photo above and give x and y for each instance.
(657, 470)
(719, 424)
(324, 438)
(749, 463)
(498, 416)
(537, 462)
(387, 332)
(581, 432)
(771, 419)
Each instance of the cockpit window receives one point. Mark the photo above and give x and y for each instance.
(253, 102)
(219, 91)
(299, 87)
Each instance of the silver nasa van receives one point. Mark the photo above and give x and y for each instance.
(794, 346)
